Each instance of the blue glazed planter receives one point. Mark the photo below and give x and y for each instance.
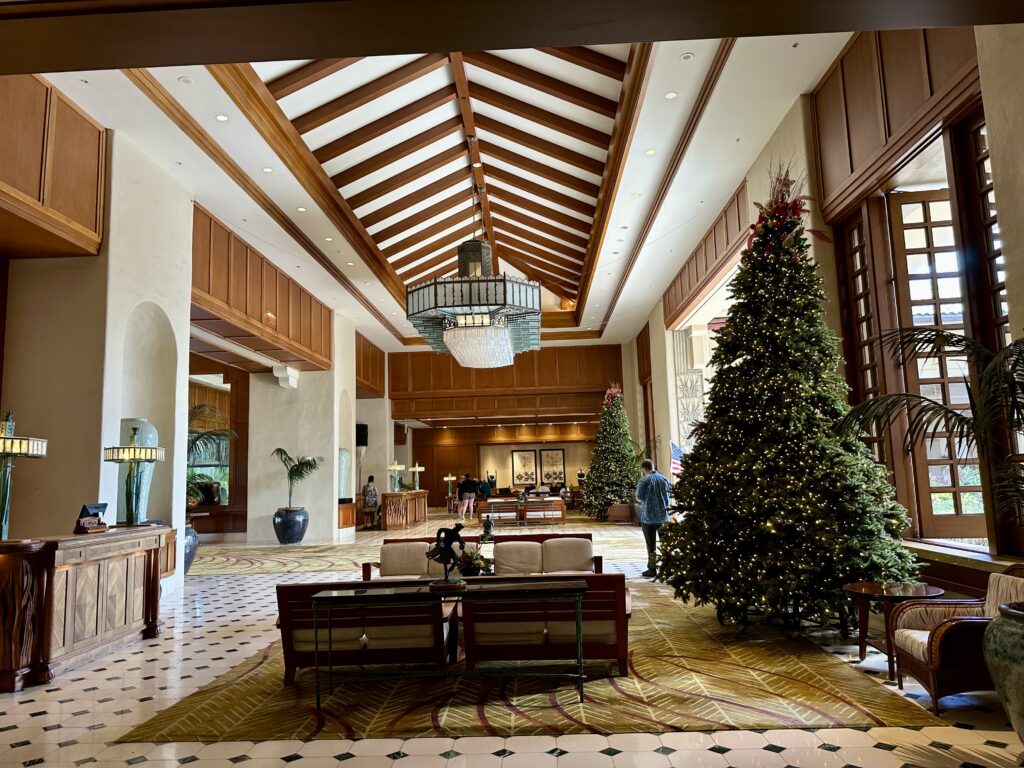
(191, 546)
(290, 524)
(1004, 654)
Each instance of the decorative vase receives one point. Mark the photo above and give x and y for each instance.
(290, 524)
(470, 570)
(344, 473)
(1004, 655)
(146, 436)
(191, 546)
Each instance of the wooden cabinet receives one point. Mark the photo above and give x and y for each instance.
(52, 158)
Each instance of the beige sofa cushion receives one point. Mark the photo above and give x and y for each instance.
(406, 558)
(600, 631)
(341, 639)
(514, 558)
(509, 632)
(402, 636)
(568, 554)
(1002, 589)
(913, 641)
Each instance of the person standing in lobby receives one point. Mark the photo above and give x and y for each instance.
(652, 493)
(467, 495)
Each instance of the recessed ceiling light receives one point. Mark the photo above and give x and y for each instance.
(688, 56)
(222, 118)
(186, 80)
(796, 45)
(636, 195)
(83, 81)
(393, 314)
(671, 95)
(350, 263)
(477, 164)
(177, 162)
(367, 282)
(624, 226)
(268, 169)
(650, 152)
(300, 209)
(738, 139)
(329, 239)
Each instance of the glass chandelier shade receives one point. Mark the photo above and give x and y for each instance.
(481, 319)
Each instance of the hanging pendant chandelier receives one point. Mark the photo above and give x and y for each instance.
(483, 320)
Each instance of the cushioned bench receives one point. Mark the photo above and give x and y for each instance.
(543, 510)
(367, 635)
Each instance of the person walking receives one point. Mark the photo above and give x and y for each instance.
(652, 493)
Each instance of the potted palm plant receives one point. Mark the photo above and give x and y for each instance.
(200, 487)
(290, 523)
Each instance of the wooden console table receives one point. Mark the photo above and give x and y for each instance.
(400, 510)
(67, 599)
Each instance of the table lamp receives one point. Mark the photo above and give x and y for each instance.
(12, 447)
(416, 469)
(450, 478)
(133, 455)
(397, 478)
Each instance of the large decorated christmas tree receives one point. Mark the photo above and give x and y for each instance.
(779, 510)
(614, 470)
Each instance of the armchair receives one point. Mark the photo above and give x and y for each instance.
(939, 642)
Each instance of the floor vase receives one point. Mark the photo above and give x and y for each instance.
(1004, 654)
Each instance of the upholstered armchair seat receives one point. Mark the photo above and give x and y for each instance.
(938, 642)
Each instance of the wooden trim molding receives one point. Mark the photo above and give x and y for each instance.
(155, 92)
(685, 139)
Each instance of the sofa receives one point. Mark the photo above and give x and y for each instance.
(368, 635)
(513, 555)
(534, 509)
(939, 642)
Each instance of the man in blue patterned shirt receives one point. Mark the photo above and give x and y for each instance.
(652, 493)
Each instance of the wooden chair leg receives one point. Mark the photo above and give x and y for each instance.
(623, 667)
(289, 675)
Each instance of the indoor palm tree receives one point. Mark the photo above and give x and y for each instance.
(199, 442)
(290, 522)
(298, 468)
(995, 399)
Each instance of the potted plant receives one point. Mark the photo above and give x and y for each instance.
(290, 523)
(200, 487)
(473, 563)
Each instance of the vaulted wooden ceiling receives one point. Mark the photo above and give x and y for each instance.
(417, 153)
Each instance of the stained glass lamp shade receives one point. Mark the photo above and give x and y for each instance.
(133, 455)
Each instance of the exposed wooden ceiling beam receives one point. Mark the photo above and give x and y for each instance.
(473, 147)
(407, 176)
(549, 148)
(389, 122)
(543, 170)
(514, 214)
(458, 176)
(560, 288)
(557, 318)
(410, 222)
(364, 94)
(707, 88)
(397, 152)
(540, 209)
(422, 235)
(245, 88)
(556, 265)
(446, 240)
(544, 242)
(443, 271)
(590, 59)
(307, 74)
(545, 193)
(634, 85)
(544, 83)
(155, 92)
(540, 116)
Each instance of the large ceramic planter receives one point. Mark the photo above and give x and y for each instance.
(191, 546)
(1004, 654)
(290, 524)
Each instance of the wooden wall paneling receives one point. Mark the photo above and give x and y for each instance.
(220, 261)
(949, 50)
(73, 183)
(833, 141)
(254, 285)
(370, 365)
(201, 226)
(862, 89)
(305, 319)
(904, 75)
(269, 301)
(238, 273)
(294, 311)
(643, 354)
(284, 317)
(23, 106)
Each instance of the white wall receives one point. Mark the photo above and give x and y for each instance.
(632, 396)
(499, 458)
(345, 389)
(375, 413)
(663, 387)
(71, 326)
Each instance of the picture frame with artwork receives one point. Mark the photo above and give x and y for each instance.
(524, 467)
(552, 466)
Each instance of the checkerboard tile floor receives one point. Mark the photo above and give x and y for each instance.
(217, 621)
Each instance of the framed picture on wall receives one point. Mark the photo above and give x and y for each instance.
(524, 467)
(552, 466)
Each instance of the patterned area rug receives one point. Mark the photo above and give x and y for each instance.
(687, 673)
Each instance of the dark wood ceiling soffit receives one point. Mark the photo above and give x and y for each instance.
(156, 93)
(251, 95)
(685, 139)
(634, 86)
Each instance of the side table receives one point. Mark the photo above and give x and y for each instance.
(888, 595)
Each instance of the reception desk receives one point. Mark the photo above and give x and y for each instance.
(400, 510)
(67, 599)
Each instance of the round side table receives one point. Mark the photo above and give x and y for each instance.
(888, 595)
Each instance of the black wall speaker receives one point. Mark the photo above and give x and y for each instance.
(362, 436)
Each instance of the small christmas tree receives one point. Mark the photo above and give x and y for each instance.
(780, 511)
(614, 470)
